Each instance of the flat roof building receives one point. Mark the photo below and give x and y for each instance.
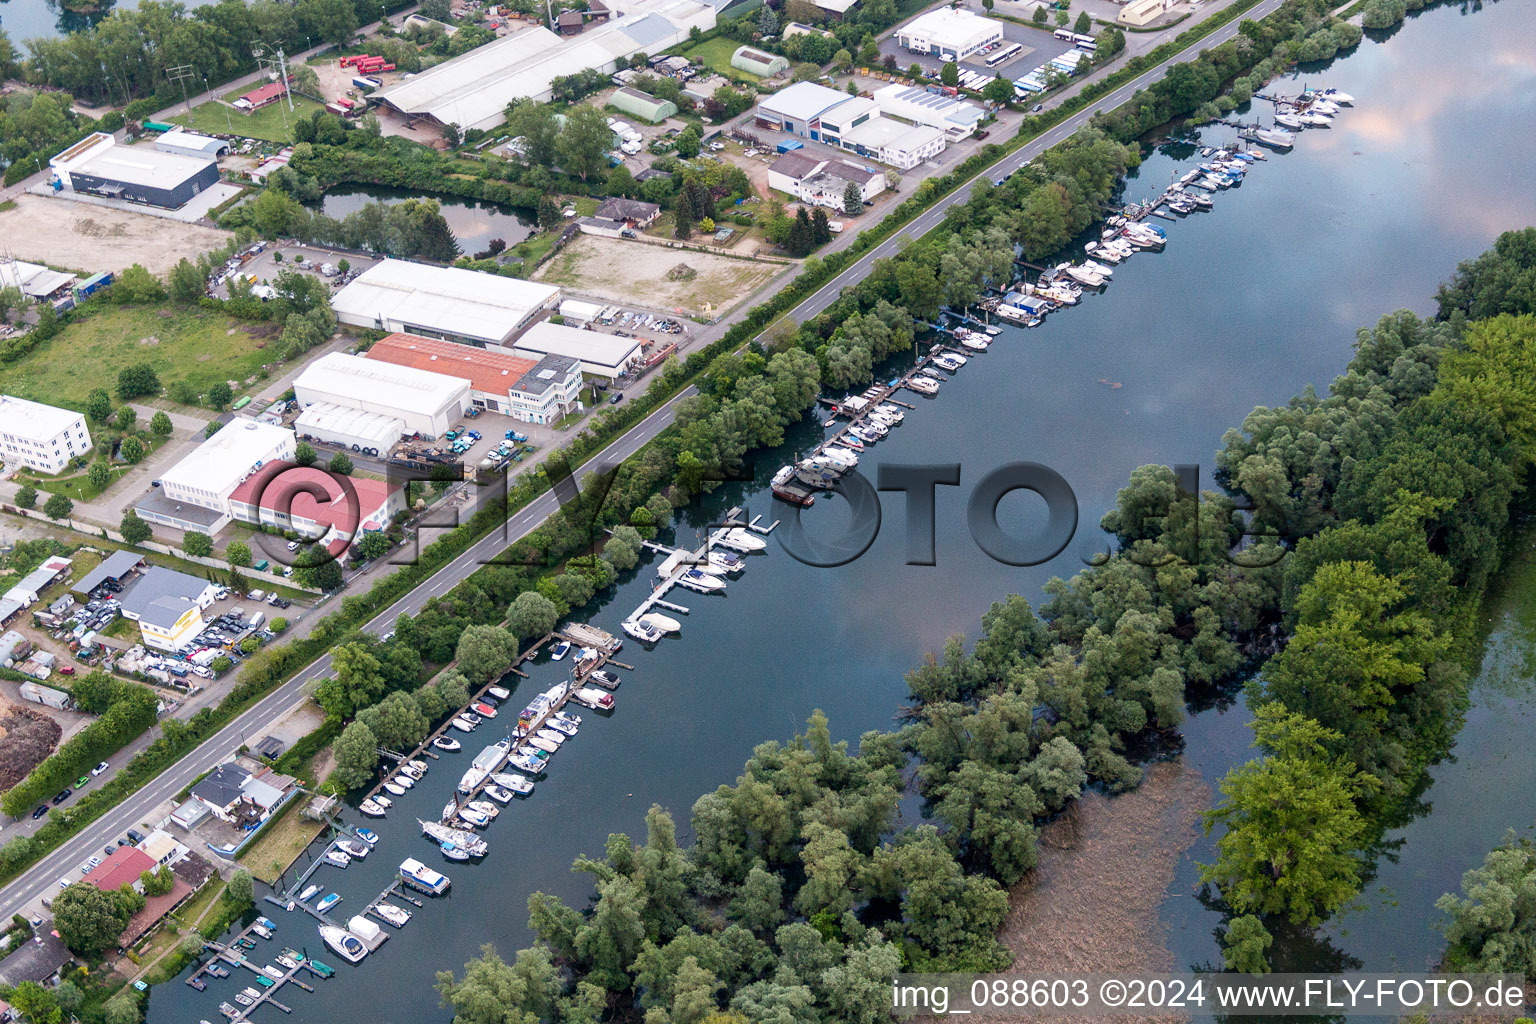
(894, 142)
(601, 355)
(426, 403)
(473, 90)
(642, 105)
(44, 437)
(957, 119)
(178, 140)
(548, 392)
(168, 606)
(1139, 13)
(206, 478)
(441, 302)
(372, 433)
(758, 62)
(488, 372)
(949, 32)
(798, 109)
(823, 181)
(96, 165)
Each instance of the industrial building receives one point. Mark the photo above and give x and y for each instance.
(194, 493)
(441, 302)
(488, 372)
(602, 355)
(178, 140)
(798, 109)
(758, 62)
(823, 181)
(34, 280)
(371, 433)
(894, 142)
(97, 165)
(316, 503)
(1140, 13)
(426, 403)
(949, 32)
(473, 90)
(168, 606)
(41, 436)
(957, 119)
(547, 393)
(642, 105)
(853, 123)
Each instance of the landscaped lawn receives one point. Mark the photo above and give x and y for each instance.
(279, 843)
(197, 345)
(717, 54)
(266, 123)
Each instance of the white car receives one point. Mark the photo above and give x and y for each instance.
(100, 768)
(293, 545)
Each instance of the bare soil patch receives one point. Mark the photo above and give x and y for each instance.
(26, 740)
(89, 238)
(1091, 905)
(640, 273)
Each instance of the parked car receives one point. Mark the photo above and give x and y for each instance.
(82, 782)
(99, 769)
(42, 809)
(64, 794)
(135, 835)
(616, 398)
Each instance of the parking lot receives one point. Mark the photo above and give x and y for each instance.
(1039, 46)
(271, 260)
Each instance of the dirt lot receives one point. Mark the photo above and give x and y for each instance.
(26, 739)
(89, 238)
(678, 280)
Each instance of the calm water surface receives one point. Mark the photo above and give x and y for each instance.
(472, 222)
(1247, 305)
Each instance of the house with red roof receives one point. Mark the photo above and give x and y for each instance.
(490, 373)
(316, 503)
(260, 97)
(124, 867)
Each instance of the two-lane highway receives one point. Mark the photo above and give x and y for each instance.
(931, 217)
(63, 862)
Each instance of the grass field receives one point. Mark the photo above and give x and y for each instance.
(197, 345)
(717, 54)
(266, 123)
(279, 843)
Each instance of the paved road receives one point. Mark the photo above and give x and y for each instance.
(931, 217)
(63, 862)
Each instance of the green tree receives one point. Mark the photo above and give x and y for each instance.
(1243, 945)
(1491, 926)
(304, 454)
(340, 464)
(132, 450)
(531, 615)
(199, 545)
(453, 688)
(485, 652)
(137, 380)
(26, 496)
(127, 416)
(37, 1005)
(134, 529)
(1062, 17)
(998, 91)
(160, 425)
(688, 142)
(495, 992)
(949, 74)
(1292, 824)
(549, 213)
(98, 405)
(238, 553)
(623, 548)
(396, 721)
(187, 284)
(1039, 17)
(585, 141)
(536, 125)
(240, 893)
(1084, 24)
(220, 394)
(357, 756)
(88, 920)
(122, 1008)
(58, 507)
(358, 681)
(99, 475)
(371, 545)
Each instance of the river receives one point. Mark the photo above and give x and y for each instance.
(48, 19)
(1248, 305)
(473, 223)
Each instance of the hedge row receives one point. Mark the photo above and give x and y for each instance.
(123, 722)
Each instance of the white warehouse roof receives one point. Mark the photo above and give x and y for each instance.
(381, 384)
(604, 354)
(229, 456)
(34, 419)
(803, 101)
(473, 90)
(445, 300)
(918, 104)
(325, 420)
(951, 28)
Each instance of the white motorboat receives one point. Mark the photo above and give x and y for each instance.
(552, 735)
(453, 851)
(383, 801)
(392, 914)
(499, 692)
(337, 858)
(371, 808)
(1326, 107)
(368, 836)
(346, 945)
(525, 761)
(1082, 275)
(596, 699)
(484, 807)
(308, 893)
(738, 539)
(841, 456)
(1314, 119)
(327, 901)
(463, 724)
(393, 788)
(645, 634)
(514, 782)
(495, 792)
(1291, 121)
(702, 582)
(447, 743)
(993, 330)
(890, 412)
(1099, 268)
(542, 744)
(923, 385)
(471, 779)
(567, 718)
(420, 766)
(1341, 98)
(418, 876)
(862, 434)
(560, 650)
(472, 817)
(976, 344)
(878, 429)
(404, 780)
(410, 773)
(727, 560)
(464, 840)
(950, 360)
(354, 848)
(602, 677)
(665, 623)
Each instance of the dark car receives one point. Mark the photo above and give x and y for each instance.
(108, 850)
(65, 795)
(135, 835)
(616, 398)
(42, 809)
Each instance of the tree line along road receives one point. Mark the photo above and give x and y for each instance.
(44, 875)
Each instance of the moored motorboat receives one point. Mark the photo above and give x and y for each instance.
(594, 698)
(447, 743)
(484, 807)
(665, 623)
(727, 560)
(560, 650)
(371, 807)
(923, 385)
(495, 792)
(308, 893)
(738, 539)
(354, 848)
(328, 901)
(463, 724)
(473, 817)
(539, 743)
(346, 945)
(644, 633)
(367, 835)
(418, 876)
(392, 914)
(420, 766)
(337, 858)
(513, 782)
(499, 692)
(554, 736)
(404, 780)
(526, 761)
(394, 788)
(701, 582)
(453, 851)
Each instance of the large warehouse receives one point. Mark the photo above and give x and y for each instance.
(426, 403)
(178, 140)
(957, 119)
(473, 90)
(949, 32)
(441, 302)
(97, 165)
(488, 372)
(372, 433)
(194, 493)
(601, 355)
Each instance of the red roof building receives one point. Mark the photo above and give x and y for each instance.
(489, 372)
(260, 97)
(315, 503)
(124, 867)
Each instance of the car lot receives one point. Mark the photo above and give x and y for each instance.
(1039, 46)
(268, 260)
